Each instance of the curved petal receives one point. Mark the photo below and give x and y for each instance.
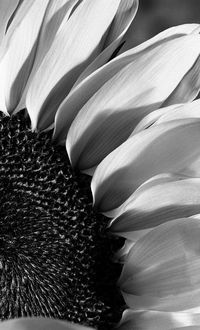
(172, 112)
(196, 216)
(131, 40)
(17, 61)
(153, 320)
(6, 10)
(39, 323)
(76, 44)
(162, 270)
(188, 88)
(190, 110)
(112, 113)
(90, 85)
(154, 116)
(57, 13)
(156, 203)
(123, 18)
(169, 147)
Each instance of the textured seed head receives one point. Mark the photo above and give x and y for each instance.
(55, 259)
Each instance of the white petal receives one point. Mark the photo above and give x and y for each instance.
(20, 51)
(153, 320)
(21, 10)
(18, 15)
(169, 147)
(89, 86)
(163, 200)
(57, 13)
(168, 34)
(76, 44)
(195, 216)
(7, 8)
(188, 88)
(154, 116)
(123, 18)
(190, 110)
(184, 28)
(110, 116)
(162, 270)
(172, 112)
(39, 324)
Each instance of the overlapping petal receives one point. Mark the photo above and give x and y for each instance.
(122, 21)
(89, 86)
(57, 13)
(34, 28)
(172, 146)
(153, 320)
(155, 202)
(162, 265)
(7, 8)
(17, 61)
(189, 110)
(154, 116)
(39, 324)
(124, 16)
(143, 82)
(162, 270)
(131, 40)
(173, 112)
(86, 33)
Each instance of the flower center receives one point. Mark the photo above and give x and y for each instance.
(55, 257)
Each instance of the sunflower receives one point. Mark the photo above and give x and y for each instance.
(59, 69)
(55, 255)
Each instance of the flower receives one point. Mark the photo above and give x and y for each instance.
(46, 218)
(119, 117)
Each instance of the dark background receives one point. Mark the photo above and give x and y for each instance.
(154, 16)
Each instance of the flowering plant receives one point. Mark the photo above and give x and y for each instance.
(130, 119)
